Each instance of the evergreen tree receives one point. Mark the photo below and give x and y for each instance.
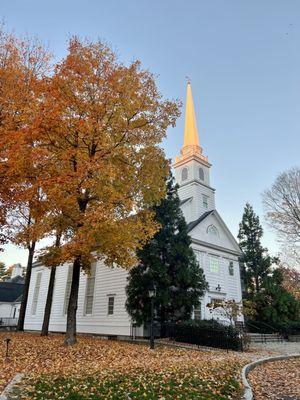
(274, 303)
(168, 263)
(256, 258)
(263, 284)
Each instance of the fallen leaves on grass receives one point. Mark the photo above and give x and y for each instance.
(93, 365)
(276, 380)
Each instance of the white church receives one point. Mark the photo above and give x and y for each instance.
(102, 296)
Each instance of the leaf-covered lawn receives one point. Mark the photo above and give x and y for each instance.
(101, 369)
(276, 380)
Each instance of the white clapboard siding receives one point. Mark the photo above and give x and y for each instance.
(104, 282)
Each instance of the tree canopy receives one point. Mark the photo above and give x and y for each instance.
(80, 155)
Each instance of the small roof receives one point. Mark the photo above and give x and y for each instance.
(10, 291)
(191, 225)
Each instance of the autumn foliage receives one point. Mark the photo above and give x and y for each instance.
(80, 156)
(102, 123)
(291, 281)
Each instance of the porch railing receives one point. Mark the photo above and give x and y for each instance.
(8, 321)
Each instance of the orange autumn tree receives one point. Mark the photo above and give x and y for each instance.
(291, 280)
(23, 64)
(102, 124)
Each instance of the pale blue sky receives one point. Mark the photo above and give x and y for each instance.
(244, 61)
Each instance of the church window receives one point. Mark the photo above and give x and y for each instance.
(212, 230)
(200, 257)
(68, 288)
(184, 174)
(231, 268)
(205, 201)
(111, 305)
(89, 293)
(36, 293)
(201, 174)
(214, 264)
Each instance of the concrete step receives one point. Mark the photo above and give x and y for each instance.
(294, 338)
(263, 338)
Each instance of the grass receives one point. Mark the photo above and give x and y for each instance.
(151, 386)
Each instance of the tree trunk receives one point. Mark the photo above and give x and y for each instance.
(23, 307)
(73, 302)
(47, 313)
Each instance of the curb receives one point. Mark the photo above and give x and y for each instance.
(248, 394)
(16, 379)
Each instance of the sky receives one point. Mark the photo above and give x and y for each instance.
(243, 60)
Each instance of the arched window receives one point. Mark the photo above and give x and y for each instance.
(201, 174)
(184, 174)
(212, 230)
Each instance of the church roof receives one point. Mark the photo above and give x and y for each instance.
(191, 225)
(10, 291)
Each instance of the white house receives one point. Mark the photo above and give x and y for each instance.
(102, 296)
(11, 291)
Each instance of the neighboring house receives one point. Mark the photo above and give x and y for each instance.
(10, 300)
(102, 296)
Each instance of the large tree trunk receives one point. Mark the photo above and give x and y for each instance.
(47, 313)
(72, 307)
(23, 307)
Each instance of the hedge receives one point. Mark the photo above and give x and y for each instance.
(206, 333)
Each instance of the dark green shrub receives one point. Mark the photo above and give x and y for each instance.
(205, 333)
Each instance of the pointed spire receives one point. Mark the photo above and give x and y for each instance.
(191, 146)
(191, 138)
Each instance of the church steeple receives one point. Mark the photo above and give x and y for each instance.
(192, 168)
(191, 145)
(191, 138)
